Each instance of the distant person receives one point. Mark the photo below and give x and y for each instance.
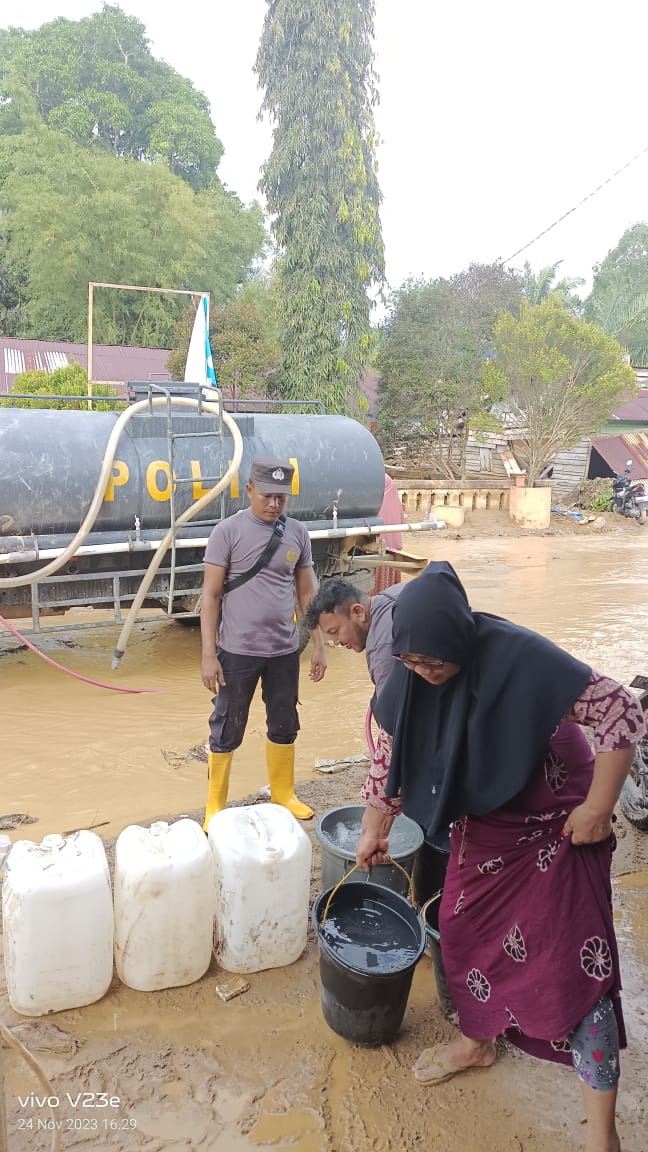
(390, 512)
(484, 720)
(257, 563)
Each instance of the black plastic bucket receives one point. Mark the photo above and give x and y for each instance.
(338, 832)
(429, 871)
(430, 917)
(369, 944)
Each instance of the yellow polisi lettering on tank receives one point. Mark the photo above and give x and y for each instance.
(197, 488)
(119, 477)
(152, 475)
(158, 487)
(235, 490)
(294, 490)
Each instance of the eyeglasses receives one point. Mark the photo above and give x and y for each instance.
(419, 662)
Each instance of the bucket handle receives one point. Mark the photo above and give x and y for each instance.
(432, 900)
(387, 860)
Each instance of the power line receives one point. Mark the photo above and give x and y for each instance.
(576, 206)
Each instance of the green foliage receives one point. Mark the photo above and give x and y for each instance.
(315, 65)
(108, 164)
(70, 381)
(96, 81)
(69, 215)
(562, 376)
(594, 495)
(618, 302)
(601, 502)
(246, 356)
(539, 285)
(12, 309)
(433, 346)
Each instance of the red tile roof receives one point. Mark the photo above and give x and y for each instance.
(109, 363)
(635, 409)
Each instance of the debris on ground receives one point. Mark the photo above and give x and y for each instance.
(330, 766)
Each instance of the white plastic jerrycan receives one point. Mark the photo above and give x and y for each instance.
(58, 923)
(262, 862)
(164, 905)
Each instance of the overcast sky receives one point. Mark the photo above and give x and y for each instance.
(494, 119)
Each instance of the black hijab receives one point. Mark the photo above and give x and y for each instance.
(468, 746)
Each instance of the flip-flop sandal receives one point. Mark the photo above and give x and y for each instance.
(426, 1062)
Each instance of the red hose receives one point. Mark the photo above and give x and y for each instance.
(61, 668)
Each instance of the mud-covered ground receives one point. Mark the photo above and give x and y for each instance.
(263, 1071)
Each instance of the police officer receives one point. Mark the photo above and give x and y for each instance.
(257, 563)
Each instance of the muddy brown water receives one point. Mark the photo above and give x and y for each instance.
(263, 1071)
(74, 755)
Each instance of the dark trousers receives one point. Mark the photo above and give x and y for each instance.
(279, 676)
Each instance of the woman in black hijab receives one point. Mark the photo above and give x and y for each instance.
(485, 724)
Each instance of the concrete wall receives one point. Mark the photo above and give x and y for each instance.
(531, 507)
(422, 498)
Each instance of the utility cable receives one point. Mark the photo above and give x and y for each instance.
(577, 206)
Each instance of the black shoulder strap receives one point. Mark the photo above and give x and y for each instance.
(264, 558)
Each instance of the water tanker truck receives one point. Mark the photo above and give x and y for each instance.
(87, 497)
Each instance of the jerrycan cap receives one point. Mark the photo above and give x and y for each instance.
(159, 827)
(52, 842)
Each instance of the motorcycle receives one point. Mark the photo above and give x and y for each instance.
(630, 497)
(634, 796)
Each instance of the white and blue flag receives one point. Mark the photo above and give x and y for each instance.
(199, 368)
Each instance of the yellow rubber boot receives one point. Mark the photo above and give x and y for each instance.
(219, 774)
(280, 759)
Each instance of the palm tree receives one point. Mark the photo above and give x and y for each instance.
(539, 285)
(624, 317)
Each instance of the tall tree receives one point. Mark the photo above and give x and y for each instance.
(618, 302)
(435, 340)
(562, 377)
(315, 65)
(96, 80)
(69, 215)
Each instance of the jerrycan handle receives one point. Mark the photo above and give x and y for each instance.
(267, 846)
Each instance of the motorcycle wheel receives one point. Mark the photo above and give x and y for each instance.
(634, 795)
(614, 507)
(641, 516)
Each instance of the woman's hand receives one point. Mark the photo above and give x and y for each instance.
(587, 825)
(591, 821)
(371, 849)
(372, 846)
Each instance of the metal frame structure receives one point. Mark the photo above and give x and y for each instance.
(92, 284)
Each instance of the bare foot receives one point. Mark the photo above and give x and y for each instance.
(604, 1144)
(440, 1063)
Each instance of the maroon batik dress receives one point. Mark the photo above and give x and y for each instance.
(526, 926)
